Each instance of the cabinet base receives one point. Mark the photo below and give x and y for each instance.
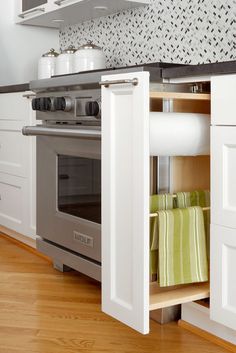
(196, 318)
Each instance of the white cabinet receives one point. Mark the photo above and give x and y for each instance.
(223, 209)
(223, 100)
(17, 165)
(125, 200)
(26, 10)
(223, 175)
(223, 279)
(57, 12)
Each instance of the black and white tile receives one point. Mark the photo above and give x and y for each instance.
(181, 31)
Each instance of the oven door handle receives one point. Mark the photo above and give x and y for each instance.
(60, 132)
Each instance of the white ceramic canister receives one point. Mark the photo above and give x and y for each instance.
(47, 64)
(89, 57)
(65, 61)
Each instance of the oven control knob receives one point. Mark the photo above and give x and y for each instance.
(35, 104)
(43, 104)
(63, 103)
(92, 108)
(47, 104)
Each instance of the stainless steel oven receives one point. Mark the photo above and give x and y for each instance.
(68, 141)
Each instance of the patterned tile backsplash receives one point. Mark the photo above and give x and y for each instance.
(180, 31)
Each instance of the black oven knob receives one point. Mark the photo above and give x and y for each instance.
(36, 104)
(92, 108)
(43, 104)
(63, 103)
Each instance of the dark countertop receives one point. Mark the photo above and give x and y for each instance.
(227, 67)
(157, 72)
(14, 88)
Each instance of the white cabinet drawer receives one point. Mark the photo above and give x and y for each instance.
(223, 280)
(223, 176)
(14, 149)
(14, 106)
(12, 202)
(223, 108)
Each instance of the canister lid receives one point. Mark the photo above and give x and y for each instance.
(89, 45)
(50, 53)
(70, 50)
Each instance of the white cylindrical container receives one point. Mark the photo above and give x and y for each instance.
(47, 64)
(65, 61)
(89, 57)
(179, 134)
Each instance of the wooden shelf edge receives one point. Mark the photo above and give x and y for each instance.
(208, 336)
(181, 95)
(162, 299)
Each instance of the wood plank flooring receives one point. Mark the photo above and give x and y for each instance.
(44, 311)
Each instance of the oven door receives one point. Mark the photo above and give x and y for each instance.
(69, 189)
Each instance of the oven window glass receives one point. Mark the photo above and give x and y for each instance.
(79, 187)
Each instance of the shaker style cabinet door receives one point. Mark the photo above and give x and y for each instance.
(223, 175)
(125, 199)
(223, 90)
(223, 277)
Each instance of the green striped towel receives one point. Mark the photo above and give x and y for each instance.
(182, 247)
(193, 198)
(157, 202)
(197, 198)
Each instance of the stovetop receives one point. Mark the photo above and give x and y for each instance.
(89, 78)
(159, 65)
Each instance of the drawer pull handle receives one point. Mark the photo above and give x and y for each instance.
(106, 84)
(25, 14)
(29, 95)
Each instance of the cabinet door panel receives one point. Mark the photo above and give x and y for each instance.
(223, 175)
(223, 90)
(14, 107)
(13, 210)
(125, 200)
(14, 149)
(31, 4)
(223, 279)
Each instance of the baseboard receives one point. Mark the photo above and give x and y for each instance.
(208, 336)
(23, 241)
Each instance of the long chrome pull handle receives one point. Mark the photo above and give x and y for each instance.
(62, 132)
(59, 2)
(25, 14)
(133, 81)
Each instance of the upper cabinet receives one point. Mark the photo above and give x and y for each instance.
(54, 13)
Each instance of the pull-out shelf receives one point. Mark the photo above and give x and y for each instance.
(165, 297)
(180, 95)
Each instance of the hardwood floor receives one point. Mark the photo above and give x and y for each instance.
(44, 311)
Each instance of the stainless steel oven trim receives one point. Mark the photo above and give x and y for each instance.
(51, 223)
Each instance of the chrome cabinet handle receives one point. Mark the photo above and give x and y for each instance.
(59, 2)
(25, 14)
(30, 95)
(133, 81)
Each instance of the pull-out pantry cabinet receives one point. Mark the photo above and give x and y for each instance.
(127, 99)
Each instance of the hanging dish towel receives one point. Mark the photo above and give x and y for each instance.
(197, 198)
(157, 202)
(182, 247)
(193, 198)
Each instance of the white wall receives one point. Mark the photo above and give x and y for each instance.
(21, 46)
